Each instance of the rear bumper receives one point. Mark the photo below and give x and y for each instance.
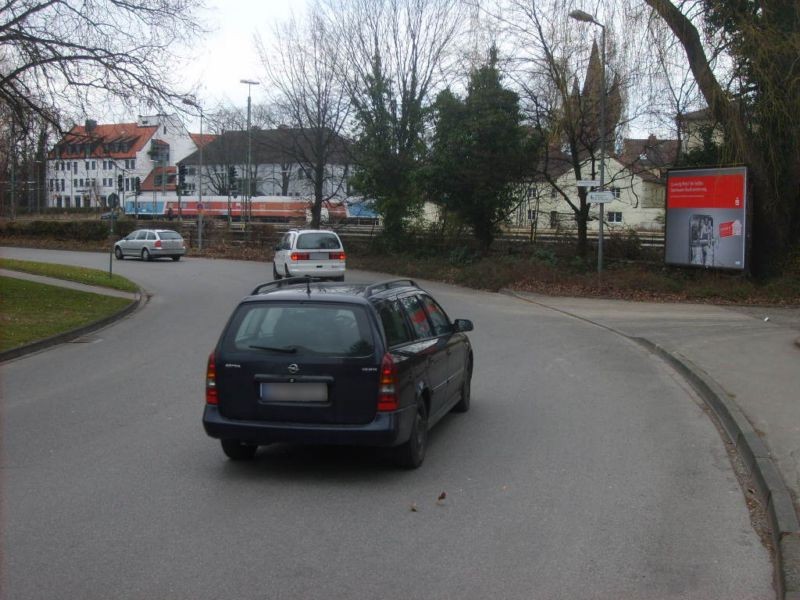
(387, 429)
(303, 268)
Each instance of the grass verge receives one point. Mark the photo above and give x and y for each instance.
(69, 273)
(548, 274)
(32, 311)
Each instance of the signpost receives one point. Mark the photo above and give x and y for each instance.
(600, 197)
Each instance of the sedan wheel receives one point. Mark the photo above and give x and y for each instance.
(118, 253)
(236, 450)
(411, 454)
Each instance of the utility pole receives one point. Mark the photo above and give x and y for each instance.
(249, 191)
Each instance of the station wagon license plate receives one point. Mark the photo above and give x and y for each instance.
(294, 392)
(319, 256)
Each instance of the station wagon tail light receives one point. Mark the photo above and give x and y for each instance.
(336, 256)
(158, 244)
(299, 256)
(387, 392)
(211, 381)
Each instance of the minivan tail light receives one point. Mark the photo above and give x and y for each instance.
(387, 391)
(299, 256)
(211, 381)
(158, 244)
(336, 256)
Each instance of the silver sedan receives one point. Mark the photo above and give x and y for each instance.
(148, 244)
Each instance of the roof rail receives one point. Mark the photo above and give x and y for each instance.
(279, 283)
(385, 285)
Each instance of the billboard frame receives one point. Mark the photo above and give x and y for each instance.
(707, 218)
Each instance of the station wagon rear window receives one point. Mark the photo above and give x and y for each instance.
(169, 235)
(321, 329)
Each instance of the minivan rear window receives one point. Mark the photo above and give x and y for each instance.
(321, 329)
(317, 241)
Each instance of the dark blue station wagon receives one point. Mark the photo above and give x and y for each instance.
(329, 363)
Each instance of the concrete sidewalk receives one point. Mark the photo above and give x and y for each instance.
(745, 363)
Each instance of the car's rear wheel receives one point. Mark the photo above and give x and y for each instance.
(118, 253)
(411, 454)
(146, 254)
(275, 274)
(286, 271)
(176, 258)
(462, 405)
(236, 450)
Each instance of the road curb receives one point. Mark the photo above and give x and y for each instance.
(773, 493)
(72, 334)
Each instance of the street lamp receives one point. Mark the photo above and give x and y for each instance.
(189, 102)
(585, 17)
(248, 196)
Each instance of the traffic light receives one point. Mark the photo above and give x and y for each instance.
(120, 183)
(137, 186)
(181, 178)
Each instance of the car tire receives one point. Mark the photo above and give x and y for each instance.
(118, 253)
(176, 258)
(286, 270)
(411, 454)
(339, 278)
(146, 254)
(462, 405)
(275, 274)
(236, 450)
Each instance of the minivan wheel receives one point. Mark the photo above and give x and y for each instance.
(411, 454)
(236, 450)
(118, 253)
(275, 274)
(146, 254)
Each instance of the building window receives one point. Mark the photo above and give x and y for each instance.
(616, 191)
(614, 217)
(553, 219)
(531, 215)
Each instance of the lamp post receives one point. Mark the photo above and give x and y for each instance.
(248, 195)
(585, 17)
(189, 102)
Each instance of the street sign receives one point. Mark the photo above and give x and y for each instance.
(587, 183)
(600, 197)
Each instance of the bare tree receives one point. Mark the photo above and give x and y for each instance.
(66, 55)
(396, 55)
(756, 107)
(547, 68)
(302, 71)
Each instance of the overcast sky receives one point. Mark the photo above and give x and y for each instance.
(228, 55)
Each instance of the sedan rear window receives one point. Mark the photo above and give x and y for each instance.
(323, 329)
(317, 241)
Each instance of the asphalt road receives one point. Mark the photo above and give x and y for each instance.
(585, 469)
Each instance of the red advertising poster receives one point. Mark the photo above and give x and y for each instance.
(706, 217)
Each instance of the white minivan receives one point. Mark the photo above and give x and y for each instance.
(314, 252)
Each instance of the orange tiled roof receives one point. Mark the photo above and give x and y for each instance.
(148, 184)
(102, 141)
(202, 140)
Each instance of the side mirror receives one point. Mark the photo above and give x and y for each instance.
(463, 325)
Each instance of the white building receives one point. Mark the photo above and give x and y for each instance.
(636, 176)
(86, 167)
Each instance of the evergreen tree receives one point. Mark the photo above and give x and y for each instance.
(481, 152)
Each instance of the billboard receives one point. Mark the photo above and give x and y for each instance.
(706, 218)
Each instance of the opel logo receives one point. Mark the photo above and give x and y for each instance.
(293, 368)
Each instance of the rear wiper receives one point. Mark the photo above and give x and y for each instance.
(291, 350)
